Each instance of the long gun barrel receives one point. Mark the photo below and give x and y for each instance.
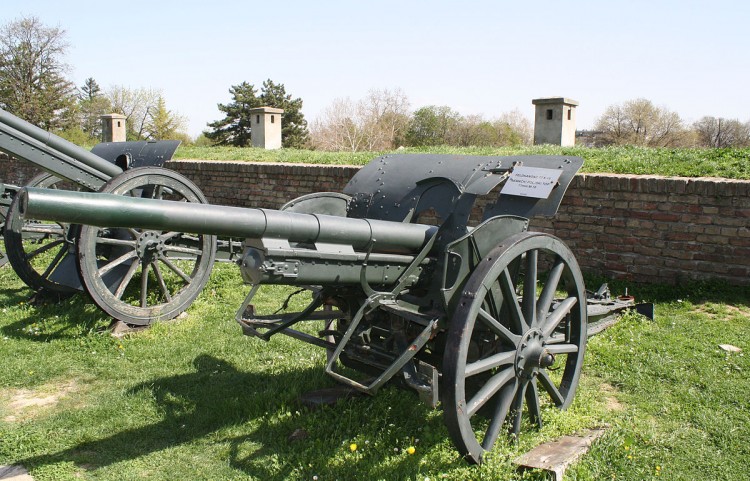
(108, 210)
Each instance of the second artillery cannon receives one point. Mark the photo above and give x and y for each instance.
(482, 315)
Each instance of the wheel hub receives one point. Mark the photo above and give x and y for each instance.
(531, 355)
(148, 245)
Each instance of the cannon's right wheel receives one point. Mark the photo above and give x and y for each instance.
(519, 331)
(139, 276)
(36, 248)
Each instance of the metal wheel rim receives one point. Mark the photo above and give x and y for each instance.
(130, 252)
(512, 380)
(17, 231)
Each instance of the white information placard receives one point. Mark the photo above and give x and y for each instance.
(531, 182)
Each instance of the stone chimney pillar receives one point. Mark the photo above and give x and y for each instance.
(555, 121)
(265, 127)
(113, 128)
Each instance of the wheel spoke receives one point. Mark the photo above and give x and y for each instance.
(126, 280)
(498, 328)
(162, 284)
(556, 316)
(490, 388)
(505, 397)
(44, 249)
(511, 301)
(548, 292)
(532, 401)
(115, 242)
(176, 270)
(495, 360)
(549, 386)
(144, 284)
(529, 288)
(47, 229)
(58, 257)
(517, 409)
(183, 250)
(123, 258)
(562, 349)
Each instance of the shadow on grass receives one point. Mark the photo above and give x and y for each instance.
(226, 411)
(61, 318)
(16, 295)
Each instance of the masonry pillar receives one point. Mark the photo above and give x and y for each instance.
(113, 128)
(265, 127)
(555, 121)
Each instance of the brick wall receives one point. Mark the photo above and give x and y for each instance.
(643, 228)
(16, 172)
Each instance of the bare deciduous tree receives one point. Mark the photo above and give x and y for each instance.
(720, 132)
(135, 105)
(376, 122)
(640, 122)
(32, 81)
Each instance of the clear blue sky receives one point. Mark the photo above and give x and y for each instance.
(478, 57)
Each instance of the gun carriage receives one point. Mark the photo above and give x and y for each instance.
(46, 255)
(485, 316)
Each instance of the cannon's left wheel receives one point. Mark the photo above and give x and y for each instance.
(39, 250)
(517, 337)
(3, 212)
(141, 276)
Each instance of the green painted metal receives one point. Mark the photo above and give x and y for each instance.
(107, 210)
(54, 154)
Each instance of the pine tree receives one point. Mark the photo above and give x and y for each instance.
(92, 104)
(163, 124)
(293, 124)
(234, 129)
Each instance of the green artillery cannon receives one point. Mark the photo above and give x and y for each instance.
(410, 281)
(46, 255)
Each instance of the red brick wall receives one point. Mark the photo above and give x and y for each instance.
(644, 228)
(657, 229)
(16, 172)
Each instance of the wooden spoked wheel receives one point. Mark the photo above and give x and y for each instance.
(517, 337)
(140, 276)
(36, 249)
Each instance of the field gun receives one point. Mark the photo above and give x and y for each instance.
(46, 256)
(405, 286)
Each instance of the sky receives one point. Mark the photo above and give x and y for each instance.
(477, 57)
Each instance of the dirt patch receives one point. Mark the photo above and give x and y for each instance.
(723, 311)
(610, 397)
(26, 403)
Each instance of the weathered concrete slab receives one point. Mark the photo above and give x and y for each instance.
(14, 473)
(556, 456)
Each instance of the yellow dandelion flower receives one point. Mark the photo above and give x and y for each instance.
(353, 447)
(411, 450)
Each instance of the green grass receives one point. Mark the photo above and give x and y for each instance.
(726, 163)
(194, 399)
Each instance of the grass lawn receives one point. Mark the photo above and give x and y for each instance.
(727, 163)
(194, 399)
